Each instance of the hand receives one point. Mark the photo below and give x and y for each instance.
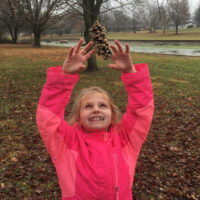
(122, 59)
(75, 59)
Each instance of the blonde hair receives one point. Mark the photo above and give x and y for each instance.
(80, 98)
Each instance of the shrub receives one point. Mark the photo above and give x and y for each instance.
(190, 26)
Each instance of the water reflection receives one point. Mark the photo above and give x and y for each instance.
(144, 47)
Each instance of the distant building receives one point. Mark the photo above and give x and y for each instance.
(188, 25)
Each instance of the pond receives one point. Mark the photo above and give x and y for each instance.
(191, 48)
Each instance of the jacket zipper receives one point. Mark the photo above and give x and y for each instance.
(116, 176)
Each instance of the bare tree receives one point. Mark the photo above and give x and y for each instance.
(151, 16)
(90, 10)
(178, 12)
(106, 17)
(136, 19)
(121, 20)
(3, 31)
(163, 14)
(39, 15)
(165, 19)
(160, 5)
(9, 15)
(197, 16)
(136, 10)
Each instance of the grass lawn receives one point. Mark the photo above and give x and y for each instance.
(184, 34)
(168, 166)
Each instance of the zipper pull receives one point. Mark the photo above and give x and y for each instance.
(116, 188)
(117, 192)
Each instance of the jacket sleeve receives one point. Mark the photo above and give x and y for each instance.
(54, 131)
(136, 121)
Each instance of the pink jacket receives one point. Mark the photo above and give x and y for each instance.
(99, 165)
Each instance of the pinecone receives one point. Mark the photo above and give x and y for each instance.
(99, 37)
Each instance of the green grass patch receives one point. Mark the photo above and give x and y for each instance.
(168, 164)
(168, 46)
(184, 34)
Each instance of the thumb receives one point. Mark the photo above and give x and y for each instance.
(113, 66)
(81, 67)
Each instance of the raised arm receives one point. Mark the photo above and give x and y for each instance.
(137, 119)
(56, 93)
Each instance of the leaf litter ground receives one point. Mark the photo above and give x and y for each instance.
(168, 166)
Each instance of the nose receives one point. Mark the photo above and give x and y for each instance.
(96, 108)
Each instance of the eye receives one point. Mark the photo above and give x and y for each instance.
(88, 106)
(103, 105)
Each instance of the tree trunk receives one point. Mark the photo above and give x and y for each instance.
(135, 29)
(92, 64)
(15, 35)
(89, 20)
(37, 36)
(176, 29)
(164, 29)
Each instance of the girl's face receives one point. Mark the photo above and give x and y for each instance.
(96, 113)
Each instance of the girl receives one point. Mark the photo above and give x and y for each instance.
(94, 153)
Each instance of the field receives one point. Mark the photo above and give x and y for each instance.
(168, 166)
(184, 34)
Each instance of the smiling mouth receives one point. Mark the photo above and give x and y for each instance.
(96, 119)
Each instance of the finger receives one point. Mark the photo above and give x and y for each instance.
(113, 66)
(78, 46)
(127, 48)
(86, 48)
(71, 52)
(119, 46)
(113, 48)
(90, 53)
(81, 67)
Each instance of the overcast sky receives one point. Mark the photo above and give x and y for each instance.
(193, 5)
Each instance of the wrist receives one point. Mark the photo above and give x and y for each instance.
(64, 71)
(130, 69)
